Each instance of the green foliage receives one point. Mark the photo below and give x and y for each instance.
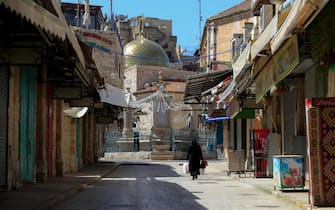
(322, 34)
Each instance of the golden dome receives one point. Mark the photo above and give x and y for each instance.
(144, 52)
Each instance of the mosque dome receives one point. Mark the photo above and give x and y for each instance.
(144, 52)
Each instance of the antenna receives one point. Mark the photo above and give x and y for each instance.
(200, 20)
(112, 15)
(113, 28)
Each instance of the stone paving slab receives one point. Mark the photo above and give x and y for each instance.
(44, 195)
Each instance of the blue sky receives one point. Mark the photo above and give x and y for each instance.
(183, 13)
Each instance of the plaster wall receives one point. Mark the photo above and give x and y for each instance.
(69, 145)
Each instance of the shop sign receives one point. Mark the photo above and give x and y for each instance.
(259, 64)
(281, 65)
(286, 59)
(96, 40)
(265, 80)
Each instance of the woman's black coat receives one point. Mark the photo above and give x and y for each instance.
(194, 156)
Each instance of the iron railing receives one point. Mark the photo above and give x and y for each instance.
(142, 140)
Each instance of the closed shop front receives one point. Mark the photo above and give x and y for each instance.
(27, 123)
(3, 126)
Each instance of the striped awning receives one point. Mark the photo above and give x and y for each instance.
(197, 85)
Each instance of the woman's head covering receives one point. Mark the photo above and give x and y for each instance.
(194, 141)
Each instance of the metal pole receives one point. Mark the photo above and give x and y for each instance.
(200, 19)
(112, 16)
(78, 14)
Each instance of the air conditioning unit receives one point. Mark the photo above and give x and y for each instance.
(266, 13)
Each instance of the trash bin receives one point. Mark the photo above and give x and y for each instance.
(288, 172)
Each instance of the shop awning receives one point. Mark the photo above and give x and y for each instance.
(245, 114)
(237, 111)
(112, 95)
(302, 11)
(264, 38)
(242, 61)
(51, 20)
(286, 28)
(197, 85)
(227, 92)
(38, 16)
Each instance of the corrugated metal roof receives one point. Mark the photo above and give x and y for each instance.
(197, 84)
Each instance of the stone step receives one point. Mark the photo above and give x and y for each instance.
(162, 157)
(161, 147)
(161, 142)
(162, 153)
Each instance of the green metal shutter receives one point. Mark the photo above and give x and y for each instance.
(27, 123)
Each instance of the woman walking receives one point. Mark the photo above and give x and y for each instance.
(194, 156)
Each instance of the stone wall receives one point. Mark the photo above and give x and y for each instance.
(13, 128)
(224, 35)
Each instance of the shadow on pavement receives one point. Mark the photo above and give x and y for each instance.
(135, 185)
(140, 169)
